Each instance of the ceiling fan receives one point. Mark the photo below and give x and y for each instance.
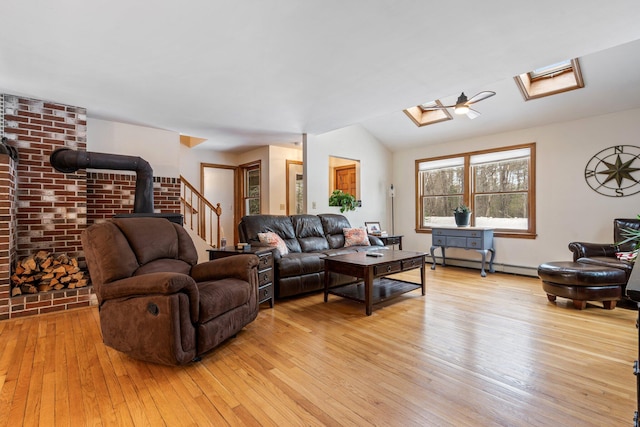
(462, 104)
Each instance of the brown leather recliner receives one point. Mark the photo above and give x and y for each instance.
(604, 254)
(156, 303)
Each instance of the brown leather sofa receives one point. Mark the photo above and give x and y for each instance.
(309, 239)
(156, 303)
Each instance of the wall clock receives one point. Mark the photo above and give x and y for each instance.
(615, 171)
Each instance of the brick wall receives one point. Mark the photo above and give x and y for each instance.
(8, 226)
(41, 208)
(109, 194)
(51, 206)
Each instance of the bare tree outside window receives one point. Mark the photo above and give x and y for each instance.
(501, 194)
(252, 192)
(442, 190)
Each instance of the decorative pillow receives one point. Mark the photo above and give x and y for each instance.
(355, 237)
(627, 256)
(272, 239)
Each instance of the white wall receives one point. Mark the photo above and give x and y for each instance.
(191, 158)
(278, 157)
(261, 154)
(352, 142)
(158, 147)
(567, 209)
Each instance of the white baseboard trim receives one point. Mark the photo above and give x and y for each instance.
(502, 268)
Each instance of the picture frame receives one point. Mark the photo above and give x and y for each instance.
(373, 227)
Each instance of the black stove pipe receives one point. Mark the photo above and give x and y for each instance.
(66, 160)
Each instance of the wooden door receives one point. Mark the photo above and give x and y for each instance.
(345, 179)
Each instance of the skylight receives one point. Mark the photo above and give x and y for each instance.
(550, 70)
(422, 116)
(550, 80)
(427, 105)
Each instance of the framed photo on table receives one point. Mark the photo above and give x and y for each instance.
(373, 228)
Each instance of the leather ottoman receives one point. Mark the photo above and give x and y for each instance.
(582, 283)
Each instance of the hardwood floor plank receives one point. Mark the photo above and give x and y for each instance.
(21, 373)
(170, 376)
(473, 351)
(72, 374)
(307, 405)
(35, 384)
(61, 392)
(174, 410)
(47, 408)
(222, 403)
(138, 396)
(88, 396)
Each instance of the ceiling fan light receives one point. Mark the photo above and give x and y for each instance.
(462, 109)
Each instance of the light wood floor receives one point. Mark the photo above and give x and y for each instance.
(472, 352)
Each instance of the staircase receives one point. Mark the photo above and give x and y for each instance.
(199, 214)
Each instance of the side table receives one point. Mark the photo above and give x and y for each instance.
(392, 240)
(477, 238)
(265, 269)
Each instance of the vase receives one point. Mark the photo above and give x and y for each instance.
(462, 218)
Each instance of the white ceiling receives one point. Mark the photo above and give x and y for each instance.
(255, 72)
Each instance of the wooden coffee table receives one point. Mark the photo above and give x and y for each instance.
(368, 268)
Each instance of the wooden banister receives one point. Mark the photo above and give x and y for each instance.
(198, 213)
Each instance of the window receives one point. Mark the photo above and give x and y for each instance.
(498, 185)
(556, 78)
(251, 188)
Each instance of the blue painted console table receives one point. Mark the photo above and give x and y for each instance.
(477, 238)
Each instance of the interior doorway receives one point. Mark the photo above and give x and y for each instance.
(218, 184)
(295, 187)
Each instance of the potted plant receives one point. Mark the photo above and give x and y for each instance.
(462, 215)
(346, 201)
(632, 236)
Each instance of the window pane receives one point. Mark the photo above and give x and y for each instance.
(253, 206)
(442, 163)
(508, 211)
(299, 193)
(252, 191)
(496, 156)
(503, 176)
(253, 183)
(443, 181)
(439, 210)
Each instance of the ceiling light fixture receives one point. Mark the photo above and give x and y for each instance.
(461, 106)
(462, 109)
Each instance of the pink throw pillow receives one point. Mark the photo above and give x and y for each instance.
(272, 239)
(355, 237)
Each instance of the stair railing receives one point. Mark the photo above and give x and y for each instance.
(199, 213)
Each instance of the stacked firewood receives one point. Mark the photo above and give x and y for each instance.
(44, 272)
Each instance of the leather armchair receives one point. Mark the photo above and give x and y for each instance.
(605, 253)
(155, 302)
